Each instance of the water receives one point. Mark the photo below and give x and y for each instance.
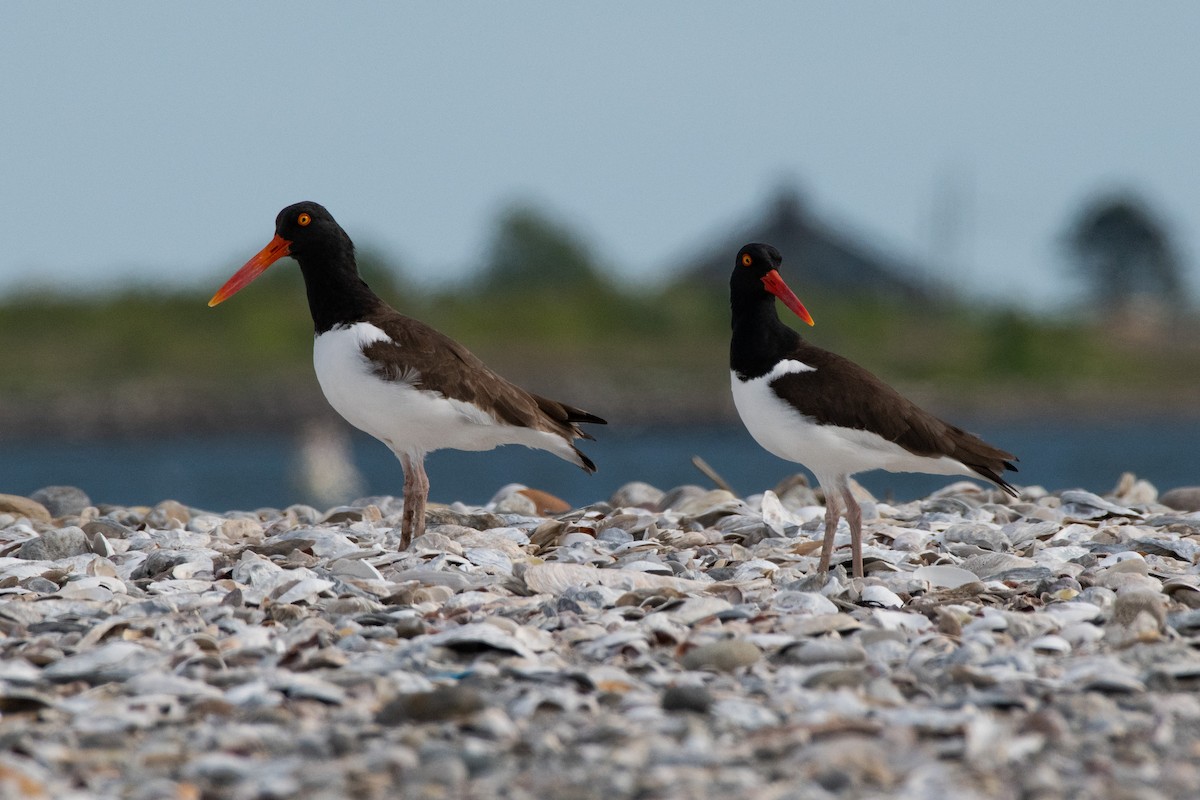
(237, 472)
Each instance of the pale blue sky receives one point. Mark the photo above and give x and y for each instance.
(157, 141)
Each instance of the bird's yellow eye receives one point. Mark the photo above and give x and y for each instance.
(747, 260)
(303, 220)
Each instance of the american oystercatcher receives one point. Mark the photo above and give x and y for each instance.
(808, 405)
(411, 387)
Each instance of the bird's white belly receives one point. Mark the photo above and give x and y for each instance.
(828, 450)
(406, 418)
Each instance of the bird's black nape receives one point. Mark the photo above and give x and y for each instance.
(337, 294)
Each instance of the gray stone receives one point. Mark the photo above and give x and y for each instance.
(678, 496)
(982, 536)
(62, 501)
(1130, 605)
(515, 502)
(823, 651)
(114, 661)
(109, 529)
(723, 656)
(637, 495)
(159, 562)
(166, 512)
(55, 544)
(1085, 505)
(1182, 498)
(988, 565)
(40, 585)
(440, 703)
(687, 698)
(23, 507)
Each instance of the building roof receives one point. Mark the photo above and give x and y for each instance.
(816, 254)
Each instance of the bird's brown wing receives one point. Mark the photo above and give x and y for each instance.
(427, 358)
(839, 392)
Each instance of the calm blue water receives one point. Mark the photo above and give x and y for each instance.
(236, 472)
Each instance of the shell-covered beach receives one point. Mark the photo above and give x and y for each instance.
(658, 644)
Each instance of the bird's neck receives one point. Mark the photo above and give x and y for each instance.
(759, 339)
(337, 295)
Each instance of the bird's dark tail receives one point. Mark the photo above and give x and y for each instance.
(588, 465)
(575, 416)
(994, 475)
(986, 460)
(566, 420)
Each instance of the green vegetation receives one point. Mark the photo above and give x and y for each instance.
(544, 314)
(678, 333)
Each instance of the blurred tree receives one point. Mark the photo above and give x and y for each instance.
(1125, 254)
(1011, 343)
(530, 252)
(382, 274)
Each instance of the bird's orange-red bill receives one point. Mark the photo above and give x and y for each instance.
(277, 249)
(777, 287)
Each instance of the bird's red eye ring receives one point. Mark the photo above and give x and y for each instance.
(303, 220)
(747, 260)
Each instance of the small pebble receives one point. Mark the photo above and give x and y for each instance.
(723, 656)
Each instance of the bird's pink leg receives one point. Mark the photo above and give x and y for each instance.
(854, 518)
(416, 493)
(831, 520)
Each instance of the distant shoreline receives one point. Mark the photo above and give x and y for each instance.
(153, 411)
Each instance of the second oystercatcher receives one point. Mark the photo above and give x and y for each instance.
(808, 405)
(411, 387)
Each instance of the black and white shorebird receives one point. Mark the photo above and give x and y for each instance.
(808, 405)
(411, 387)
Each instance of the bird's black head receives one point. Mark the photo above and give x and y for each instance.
(308, 233)
(753, 262)
(756, 277)
(308, 226)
